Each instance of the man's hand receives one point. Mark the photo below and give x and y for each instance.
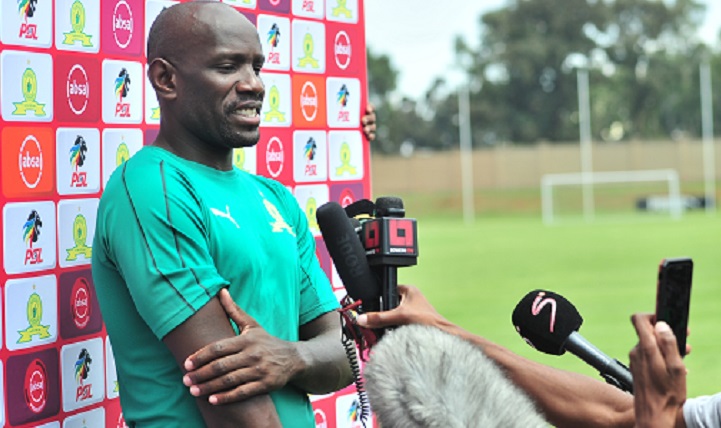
(659, 375)
(235, 369)
(369, 122)
(413, 308)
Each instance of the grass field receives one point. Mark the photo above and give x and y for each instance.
(475, 274)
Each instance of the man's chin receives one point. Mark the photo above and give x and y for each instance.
(245, 139)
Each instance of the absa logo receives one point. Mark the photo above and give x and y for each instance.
(274, 157)
(122, 24)
(30, 161)
(36, 386)
(80, 302)
(78, 89)
(321, 421)
(342, 50)
(309, 101)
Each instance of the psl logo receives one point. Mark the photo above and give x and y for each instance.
(309, 154)
(80, 236)
(273, 40)
(77, 23)
(122, 87)
(342, 99)
(36, 386)
(308, 6)
(82, 368)
(34, 313)
(31, 233)
(30, 93)
(77, 159)
(355, 412)
(26, 8)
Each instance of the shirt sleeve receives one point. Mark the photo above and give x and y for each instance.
(158, 240)
(316, 293)
(703, 412)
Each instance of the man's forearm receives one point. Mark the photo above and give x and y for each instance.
(567, 399)
(325, 367)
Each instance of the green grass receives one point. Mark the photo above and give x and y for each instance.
(476, 274)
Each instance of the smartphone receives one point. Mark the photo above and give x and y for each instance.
(673, 296)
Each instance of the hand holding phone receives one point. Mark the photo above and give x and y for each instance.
(673, 296)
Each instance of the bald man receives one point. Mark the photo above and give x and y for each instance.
(185, 243)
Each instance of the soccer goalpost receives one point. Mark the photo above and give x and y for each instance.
(589, 179)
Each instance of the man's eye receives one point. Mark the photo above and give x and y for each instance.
(226, 68)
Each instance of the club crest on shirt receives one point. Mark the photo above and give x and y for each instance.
(278, 224)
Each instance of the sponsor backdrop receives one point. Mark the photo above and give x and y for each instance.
(75, 104)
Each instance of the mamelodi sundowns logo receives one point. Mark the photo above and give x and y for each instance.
(27, 156)
(308, 101)
(342, 10)
(83, 373)
(121, 27)
(26, 86)
(78, 160)
(76, 230)
(122, 98)
(77, 25)
(274, 34)
(310, 197)
(276, 111)
(29, 236)
(246, 159)
(343, 100)
(345, 155)
(310, 156)
(308, 50)
(27, 23)
(118, 145)
(309, 8)
(31, 312)
(78, 81)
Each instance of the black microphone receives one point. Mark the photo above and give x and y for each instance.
(550, 323)
(348, 254)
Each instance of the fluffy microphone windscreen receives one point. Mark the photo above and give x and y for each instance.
(545, 320)
(420, 376)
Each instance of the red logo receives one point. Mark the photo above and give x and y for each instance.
(36, 386)
(30, 161)
(274, 157)
(309, 101)
(346, 198)
(320, 419)
(78, 89)
(308, 6)
(342, 50)
(80, 302)
(538, 305)
(122, 24)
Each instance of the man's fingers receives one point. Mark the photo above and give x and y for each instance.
(215, 368)
(240, 393)
(214, 351)
(239, 316)
(372, 320)
(667, 343)
(225, 382)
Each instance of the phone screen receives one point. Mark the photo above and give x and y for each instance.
(674, 297)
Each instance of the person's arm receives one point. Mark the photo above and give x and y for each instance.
(659, 375)
(254, 362)
(566, 399)
(207, 325)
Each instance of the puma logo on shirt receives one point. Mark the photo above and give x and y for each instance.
(225, 214)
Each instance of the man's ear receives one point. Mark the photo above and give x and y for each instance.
(162, 76)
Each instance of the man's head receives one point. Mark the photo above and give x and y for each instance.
(204, 60)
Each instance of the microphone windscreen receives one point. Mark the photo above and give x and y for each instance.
(419, 376)
(361, 206)
(348, 255)
(545, 320)
(389, 206)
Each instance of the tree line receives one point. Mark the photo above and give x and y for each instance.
(642, 56)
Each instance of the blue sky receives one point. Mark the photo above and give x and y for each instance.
(418, 34)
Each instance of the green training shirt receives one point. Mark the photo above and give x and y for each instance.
(170, 234)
